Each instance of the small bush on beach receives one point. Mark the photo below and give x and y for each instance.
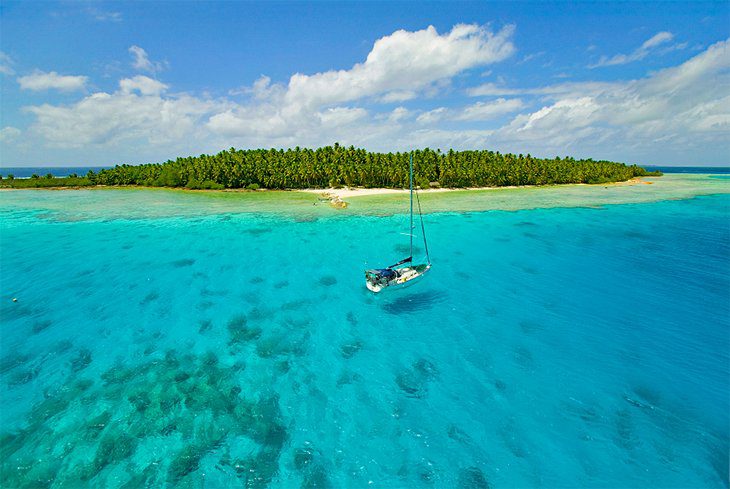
(211, 185)
(193, 184)
(252, 186)
(423, 182)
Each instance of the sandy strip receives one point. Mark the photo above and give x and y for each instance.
(346, 192)
(343, 193)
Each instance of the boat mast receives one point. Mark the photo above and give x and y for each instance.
(411, 185)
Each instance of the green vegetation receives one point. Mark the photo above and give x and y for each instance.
(336, 166)
(36, 182)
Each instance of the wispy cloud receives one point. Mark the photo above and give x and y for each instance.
(39, 80)
(638, 54)
(8, 134)
(432, 116)
(142, 61)
(104, 15)
(491, 90)
(484, 111)
(530, 57)
(479, 111)
(6, 64)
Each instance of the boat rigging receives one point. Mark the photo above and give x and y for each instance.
(404, 272)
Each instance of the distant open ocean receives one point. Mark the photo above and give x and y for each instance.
(56, 171)
(690, 169)
(156, 344)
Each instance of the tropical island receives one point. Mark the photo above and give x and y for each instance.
(337, 166)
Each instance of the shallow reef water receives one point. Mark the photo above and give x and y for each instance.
(555, 347)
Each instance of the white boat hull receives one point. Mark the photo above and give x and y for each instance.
(406, 277)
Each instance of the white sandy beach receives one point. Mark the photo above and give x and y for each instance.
(349, 192)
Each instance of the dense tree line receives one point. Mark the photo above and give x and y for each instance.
(335, 166)
(44, 182)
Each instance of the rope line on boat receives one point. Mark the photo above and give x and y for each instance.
(423, 230)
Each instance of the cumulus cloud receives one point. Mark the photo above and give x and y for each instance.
(402, 63)
(132, 113)
(142, 61)
(684, 106)
(142, 84)
(677, 109)
(399, 67)
(339, 116)
(39, 80)
(638, 54)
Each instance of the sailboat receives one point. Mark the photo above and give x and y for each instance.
(405, 272)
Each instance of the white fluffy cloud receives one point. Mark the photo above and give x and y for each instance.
(684, 106)
(638, 54)
(142, 84)
(403, 63)
(108, 119)
(39, 80)
(398, 68)
(339, 116)
(673, 111)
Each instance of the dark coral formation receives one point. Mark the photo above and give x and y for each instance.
(89, 433)
(472, 478)
(82, 360)
(415, 379)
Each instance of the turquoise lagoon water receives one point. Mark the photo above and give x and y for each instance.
(581, 347)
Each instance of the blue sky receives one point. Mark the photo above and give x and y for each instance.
(100, 83)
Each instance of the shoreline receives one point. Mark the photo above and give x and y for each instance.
(344, 192)
(348, 192)
(134, 202)
(335, 197)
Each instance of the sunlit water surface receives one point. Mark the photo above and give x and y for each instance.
(549, 347)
